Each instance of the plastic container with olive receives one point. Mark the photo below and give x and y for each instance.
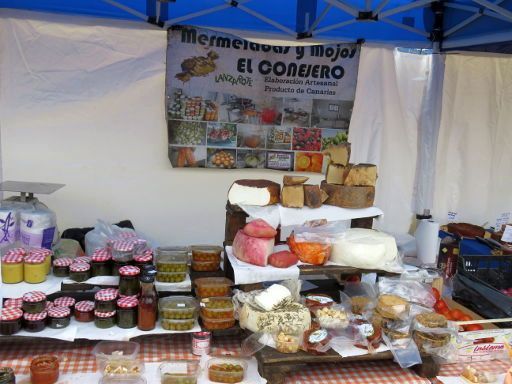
(171, 259)
(217, 308)
(171, 277)
(177, 307)
(179, 372)
(178, 325)
(214, 324)
(226, 370)
(206, 253)
(213, 286)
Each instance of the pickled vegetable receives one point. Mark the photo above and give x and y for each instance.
(164, 277)
(178, 325)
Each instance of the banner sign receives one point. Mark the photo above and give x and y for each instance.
(232, 103)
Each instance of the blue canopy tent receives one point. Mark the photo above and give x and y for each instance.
(444, 25)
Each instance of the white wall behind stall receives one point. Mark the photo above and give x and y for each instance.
(84, 106)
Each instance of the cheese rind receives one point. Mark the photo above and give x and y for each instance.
(312, 196)
(291, 315)
(292, 196)
(362, 175)
(294, 180)
(348, 197)
(339, 154)
(336, 174)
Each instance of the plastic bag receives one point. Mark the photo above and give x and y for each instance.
(102, 232)
(412, 291)
(405, 351)
(310, 248)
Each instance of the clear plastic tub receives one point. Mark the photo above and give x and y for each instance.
(121, 370)
(179, 372)
(105, 350)
(206, 253)
(205, 266)
(171, 277)
(217, 308)
(177, 307)
(178, 325)
(214, 324)
(226, 370)
(171, 261)
(288, 342)
(213, 286)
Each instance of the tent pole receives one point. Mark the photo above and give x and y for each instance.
(335, 26)
(305, 16)
(319, 18)
(437, 34)
(129, 10)
(406, 7)
(344, 7)
(500, 10)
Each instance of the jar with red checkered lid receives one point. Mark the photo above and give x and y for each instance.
(84, 311)
(46, 253)
(127, 312)
(65, 301)
(143, 259)
(12, 268)
(79, 272)
(35, 322)
(122, 250)
(105, 300)
(101, 262)
(129, 280)
(104, 319)
(10, 321)
(34, 268)
(14, 303)
(61, 266)
(59, 317)
(34, 302)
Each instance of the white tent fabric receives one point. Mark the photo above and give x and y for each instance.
(384, 128)
(474, 156)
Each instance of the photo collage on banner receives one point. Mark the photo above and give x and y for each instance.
(231, 103)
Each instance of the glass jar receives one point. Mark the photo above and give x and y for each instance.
(79, 272)
(7, 376)
(105, 300)
(65, 301)
(34, 302)
(122, 250)
(59, 317)
(12, 268)
(117, 266)
(82, 259)
(129, 280)
(61, 266)
(144, 259)
(14, 303)
(44, 370)
(35, 322)
(10, 321)
(127, 312)
(84, 311)
(34, 269)
(101, 262)
(104, 319)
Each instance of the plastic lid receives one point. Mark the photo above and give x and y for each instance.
(254, 343)
(106, 294)
(62, 262)
(123, 245)
(12, 258)
(144, 258)
(213, 281)
(40, 251)
(79, 267)
(82, 259)
(34, 297)
(104, 314)
(64, 301)
(101, 255)
(59, 312)
(16, 251)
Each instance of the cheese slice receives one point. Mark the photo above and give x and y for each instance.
(336, 174)
(291, 315)
(272, 296)
(339, 154)
(362, 175)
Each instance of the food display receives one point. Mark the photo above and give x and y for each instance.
(310, 252)
(360, 304)
(283, 259)
(474, 375)
(79, 272)
(44, 370)
(222, 158)
(254, 192)
(10, 321)
(35, 322)
(222, 134)
(316, 341)
(84, 311)
(177, 307)
(59, 317)
(213, 286)
(12, 268)
(34, 268)
(171, 277)
(170, 261)
(252, 250)
(206, 253)
(61, 266)
(34, 302)
(424, 338)
(336, 173)
(307, 139)
(205, 266)
(226, 370)
(178, 325)
(129, 280)
(179, 372)
(332, 318)
(127, 308)
(104, 319)
(217, 308)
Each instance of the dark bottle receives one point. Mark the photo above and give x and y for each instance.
(148, 302)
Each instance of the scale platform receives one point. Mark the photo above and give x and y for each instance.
(27, 189)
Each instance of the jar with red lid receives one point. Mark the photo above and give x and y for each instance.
(46, 254)
(117, 266)
(12, 268)
(101, 262)
(127, 312)
(80, 272)
(84, 311)
(10, 321)
(82, 259)
(59, 317)
(34, 302)
(44, 370)
(141, 260)
(14, 303)
(65, 301)
(61, 266)
(35, 322)
(122, 250)
(129, 280)
(104, 319)
(105, 300)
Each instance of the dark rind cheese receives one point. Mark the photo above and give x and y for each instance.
(348, 197)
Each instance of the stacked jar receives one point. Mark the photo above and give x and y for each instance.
(101, 262)
(61, 266)
(171, 264)
(122, 253)
(35, 314)
(79, 272)
(129, 280)
(12, 266)
(127, 308)
(217, 310)
(34, 268)
(30, 266)
(46, 254)
(105, 307)
(178, 313)
(206, 258)
(143, 259)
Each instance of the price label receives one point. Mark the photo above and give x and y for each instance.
(503, 219)
(507, 234)
(452, 216)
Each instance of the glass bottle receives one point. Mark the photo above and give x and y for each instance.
(148, 302)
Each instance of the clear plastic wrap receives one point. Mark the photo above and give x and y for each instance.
(310, 248)
(405, 351)
(412, 291)
(102, 233)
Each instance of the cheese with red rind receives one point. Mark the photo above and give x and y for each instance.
(283, 259)
(252, 250)
(259, 228)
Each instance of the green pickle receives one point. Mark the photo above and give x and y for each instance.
(176, 379)
(164, 277)
(165, 266)
(178, 325)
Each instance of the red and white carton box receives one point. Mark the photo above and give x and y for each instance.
(487, 344)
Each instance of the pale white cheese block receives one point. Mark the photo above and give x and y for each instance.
(364, 248)
(257, 320)
(272, 296)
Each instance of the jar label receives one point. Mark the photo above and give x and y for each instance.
(200, 346)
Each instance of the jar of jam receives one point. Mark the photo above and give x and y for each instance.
(59, 317)
(104, 319)
(64, 301)
(129, 280)
(122, 250)
(34, 302)
(139, 246)
(35, 322)
(14, 303)
(46, 254)
(61, 266)
(84, 311)
(10, 321)
(79, 272)
(82, 259)
(12, 268)
(105, 300)
(127, 312)
(117, 266)
(101, 262)
(49, 305)
(44, 370)
(143, 259)
(34, 270)
(7, 376)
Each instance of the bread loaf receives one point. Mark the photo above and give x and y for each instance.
(361, 175)
(348, 197)
(254, 192)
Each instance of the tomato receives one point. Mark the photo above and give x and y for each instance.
(354, 279)
(436, 294)
(465, 317)
(449, 316)
(445, 312)
(473, 327)
(440, 305)
(457, 314)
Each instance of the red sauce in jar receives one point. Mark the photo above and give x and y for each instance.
(44, 370)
